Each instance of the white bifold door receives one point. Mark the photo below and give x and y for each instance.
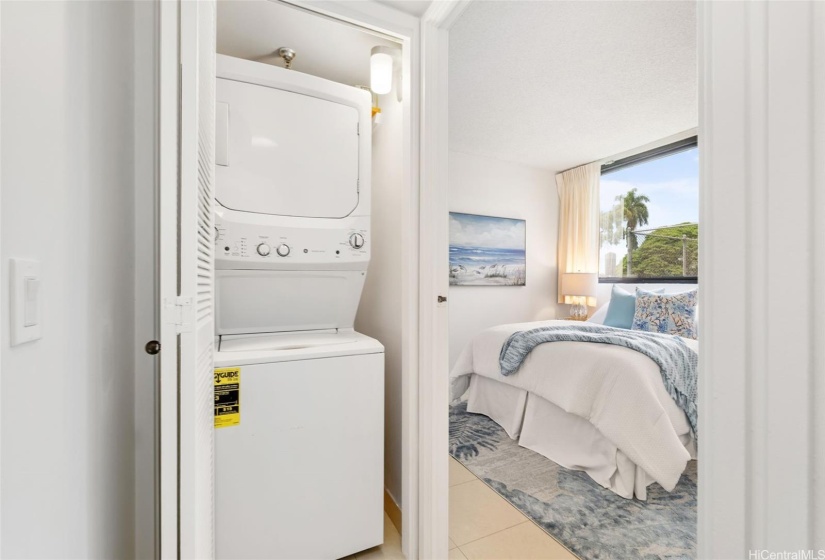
(186, 228)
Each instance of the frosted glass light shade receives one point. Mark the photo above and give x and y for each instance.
(380, 70)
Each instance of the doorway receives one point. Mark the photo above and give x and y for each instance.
(506, 240)
(393, 119)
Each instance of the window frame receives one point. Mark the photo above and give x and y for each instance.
(635, 159)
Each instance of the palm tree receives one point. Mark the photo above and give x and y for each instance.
(635, 215)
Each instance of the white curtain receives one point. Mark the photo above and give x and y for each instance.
(578, 222)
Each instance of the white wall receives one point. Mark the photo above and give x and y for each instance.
(480, 185)
(67, 191)
(379, 314)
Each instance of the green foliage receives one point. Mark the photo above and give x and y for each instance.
(656, 254)
(635, 215)
(628, 213)
(659, 255)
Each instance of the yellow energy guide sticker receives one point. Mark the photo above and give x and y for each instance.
(227, 397)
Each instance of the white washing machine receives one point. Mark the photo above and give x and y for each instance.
(299, 454)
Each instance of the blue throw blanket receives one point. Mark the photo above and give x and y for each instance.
(677, 362)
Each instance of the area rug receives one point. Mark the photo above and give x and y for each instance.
(591, 521)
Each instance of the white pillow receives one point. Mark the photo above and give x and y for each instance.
(599, 315)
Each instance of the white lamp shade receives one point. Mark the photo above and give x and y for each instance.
(380, 70)
(579, 284)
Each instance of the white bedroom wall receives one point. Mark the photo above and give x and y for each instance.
(481, 185)
(67, 193)
(379, 314)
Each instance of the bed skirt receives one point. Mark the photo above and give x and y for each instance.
(564, 438)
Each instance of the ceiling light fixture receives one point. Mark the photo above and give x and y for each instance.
(381, 70)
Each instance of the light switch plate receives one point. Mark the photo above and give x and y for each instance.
(26, 301)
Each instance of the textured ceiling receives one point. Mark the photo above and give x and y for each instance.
(255, 29)
(558, 84)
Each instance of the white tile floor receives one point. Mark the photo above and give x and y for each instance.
(483, 526)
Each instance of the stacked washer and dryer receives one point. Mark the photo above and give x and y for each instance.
(301, 474)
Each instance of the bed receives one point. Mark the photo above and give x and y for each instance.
(599, 408)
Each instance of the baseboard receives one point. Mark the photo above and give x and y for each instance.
(393, 511)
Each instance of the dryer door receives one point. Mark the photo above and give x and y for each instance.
(285, 153)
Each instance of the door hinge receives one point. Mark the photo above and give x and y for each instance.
(181, 313)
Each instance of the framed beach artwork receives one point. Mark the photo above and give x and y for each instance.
(487, 251)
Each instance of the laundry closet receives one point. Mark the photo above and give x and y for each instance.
(308, 286)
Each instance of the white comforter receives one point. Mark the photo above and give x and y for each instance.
(618, 390)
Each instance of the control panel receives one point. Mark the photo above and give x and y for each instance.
(240, 245)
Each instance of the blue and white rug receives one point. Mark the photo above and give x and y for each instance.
(591, 521)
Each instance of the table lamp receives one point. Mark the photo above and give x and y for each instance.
(579, 286)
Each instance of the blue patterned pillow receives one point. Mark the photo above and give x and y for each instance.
(666, 313)
(621, 308)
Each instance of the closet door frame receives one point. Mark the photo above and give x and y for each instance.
(762, 362)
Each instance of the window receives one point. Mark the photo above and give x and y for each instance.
(649, 227)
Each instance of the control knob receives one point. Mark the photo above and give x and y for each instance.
(282, 250)
(264, 249)
(356, 240)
